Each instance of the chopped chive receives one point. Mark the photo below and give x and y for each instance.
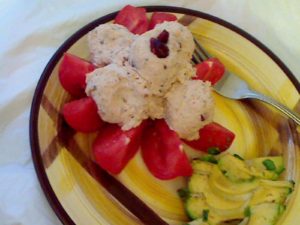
(280, 170)
(237, 156)
(269, 164)
(224, 172)
(205, 213)
(209, 158)
(247, 212)
(183, 193)
(213, 151)
(290, 190)
(281, 209)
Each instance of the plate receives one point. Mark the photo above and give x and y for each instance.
(82, 193)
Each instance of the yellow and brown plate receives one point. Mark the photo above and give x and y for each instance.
(82, 193)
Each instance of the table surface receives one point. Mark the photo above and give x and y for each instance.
(31, 31)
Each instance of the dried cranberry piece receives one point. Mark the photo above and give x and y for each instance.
(163, 36)
(158, 48)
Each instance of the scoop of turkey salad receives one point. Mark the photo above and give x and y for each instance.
(135, 84)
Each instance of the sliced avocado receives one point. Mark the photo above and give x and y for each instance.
(265, 214)
(278, 183)
(266, 167)
(265, 194)
(235, 169)
(197, 183)
(202, 167)
(230, 197)
(195, 205)
(261, 163)
(227, 186)
(215, 201)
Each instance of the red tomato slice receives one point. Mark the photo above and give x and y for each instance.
(210, 70)
(113, 148)
(162, 152)
(82, 115)
(72, 73)
(213, 135)
(159, 17)
(133, 18)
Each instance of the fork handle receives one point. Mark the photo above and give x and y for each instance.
(285, 110)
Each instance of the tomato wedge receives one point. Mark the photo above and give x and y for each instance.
(210, 70)
(162, 152)
(72, 73)
(212, 135)
(159, 17)
(82, 115)
(113, 148)
(133, 18)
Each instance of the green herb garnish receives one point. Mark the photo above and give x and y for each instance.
(237, 156)
(281, 209)
(213, 151)
(247, 212)
(183, 193)
(205, 213)
(209, 158)
(269, 164)
(280, 171)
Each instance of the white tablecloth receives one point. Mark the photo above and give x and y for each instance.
(30, 33)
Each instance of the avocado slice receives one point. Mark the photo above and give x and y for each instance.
(202, 167)
(278, 183)
(235, 169)
(230, 197)
(227, 186)
(262, 163)
(223, 206)
(198, 183)
(269, 194)
(266, 167)
(195, 205)
(265, 214)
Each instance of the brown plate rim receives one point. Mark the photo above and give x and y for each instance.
(37, 98)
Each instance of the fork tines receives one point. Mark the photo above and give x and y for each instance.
(199, 54)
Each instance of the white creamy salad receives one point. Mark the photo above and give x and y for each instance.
(134, 83)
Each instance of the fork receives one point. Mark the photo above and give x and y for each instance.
(231, 86)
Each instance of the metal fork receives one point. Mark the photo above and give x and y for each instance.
(231, 86)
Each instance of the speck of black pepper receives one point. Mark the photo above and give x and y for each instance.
(124, 100)
(180, 45)
(146, 59)
(202, 117)
(101, 42)
(165, 67)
